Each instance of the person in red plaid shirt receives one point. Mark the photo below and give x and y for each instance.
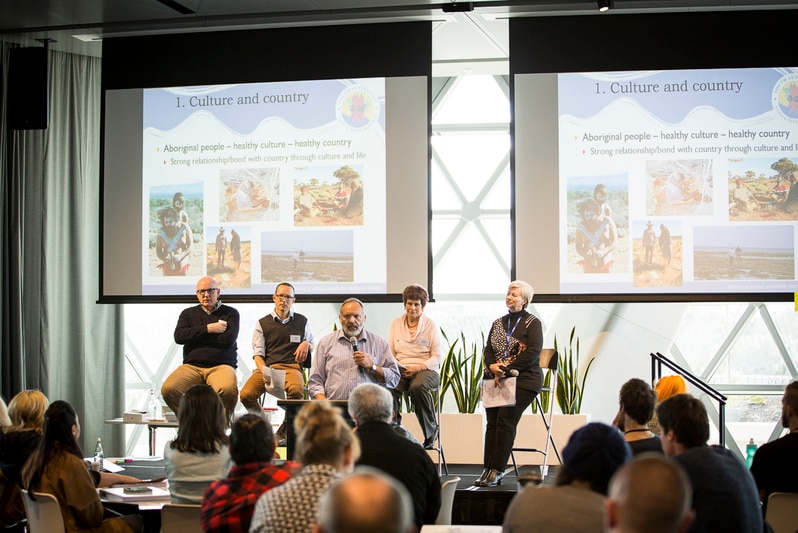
(227, 504)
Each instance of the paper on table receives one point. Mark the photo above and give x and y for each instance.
(275, 381)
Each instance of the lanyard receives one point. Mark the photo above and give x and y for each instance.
(510, 334)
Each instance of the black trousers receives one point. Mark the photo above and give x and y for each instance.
(502, 423)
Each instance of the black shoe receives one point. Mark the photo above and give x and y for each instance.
(429, 442)
(480, 482)
(493, 478)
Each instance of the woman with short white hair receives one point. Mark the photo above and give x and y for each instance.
(512, 351)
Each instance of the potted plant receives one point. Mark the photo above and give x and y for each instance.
(570, 388)
(461, 372)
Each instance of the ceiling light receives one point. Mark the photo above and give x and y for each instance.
(604, 5)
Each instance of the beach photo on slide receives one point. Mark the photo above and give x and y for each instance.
(744, 252)
(295, 256)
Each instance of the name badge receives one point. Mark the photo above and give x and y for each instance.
(296, 338)
(423, 342)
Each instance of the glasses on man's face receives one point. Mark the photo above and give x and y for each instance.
(206, 291)
(284, 297)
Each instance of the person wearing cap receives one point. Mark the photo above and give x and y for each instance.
(576, 503)
(744, 199)
(725, 497)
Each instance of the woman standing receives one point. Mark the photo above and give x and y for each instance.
(513, 349)
(199, 453)
(57, 468)
(415, 342)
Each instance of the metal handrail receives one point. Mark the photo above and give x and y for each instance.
(657, 360)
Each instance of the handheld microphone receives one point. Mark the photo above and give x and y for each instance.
(353, 340)
(513, 373)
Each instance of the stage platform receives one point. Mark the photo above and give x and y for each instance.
(487, 505)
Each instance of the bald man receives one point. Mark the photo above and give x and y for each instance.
(366, 501)
(649, 494)
(208, 334)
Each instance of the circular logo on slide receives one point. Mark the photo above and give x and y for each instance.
(357, 107)
(785, 97)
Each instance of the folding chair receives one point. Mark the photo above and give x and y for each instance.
(549, 360)
(44, 513)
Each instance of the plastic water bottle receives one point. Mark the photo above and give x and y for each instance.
(750, 450)
(154, 409)
(99, 455)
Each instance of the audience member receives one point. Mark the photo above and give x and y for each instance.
(775, 468)
(366, 501)
(415, 342)
(57, 467)
(649, 494)
(637, 402)
(282, 340)
(228, 503)
(351, 356)
(724, 493)
(326, 447)
(382, 448)
(208, 333)
(666, 387)
(576, 503)
(199, 454)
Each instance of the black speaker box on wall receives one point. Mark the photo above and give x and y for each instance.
(28, 89)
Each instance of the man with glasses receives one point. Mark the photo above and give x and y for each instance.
(208, 333)
(283, 341)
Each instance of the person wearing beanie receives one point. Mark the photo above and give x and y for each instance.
(576, 503)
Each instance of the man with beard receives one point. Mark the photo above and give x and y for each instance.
(350, 357)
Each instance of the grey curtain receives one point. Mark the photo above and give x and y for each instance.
(56, 338)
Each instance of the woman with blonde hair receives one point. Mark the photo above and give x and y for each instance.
(18, 440)
(327, 448)
(666, 387)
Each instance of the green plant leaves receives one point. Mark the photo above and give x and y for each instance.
(571, 388)
(461, 372)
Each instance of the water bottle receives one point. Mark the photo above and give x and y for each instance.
(750, 450)
(99, 455)
(154, 409)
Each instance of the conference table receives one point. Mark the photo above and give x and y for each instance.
(292, 408)
(152, 426)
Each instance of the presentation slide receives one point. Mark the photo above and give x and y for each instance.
(264, 182)
(677, 181)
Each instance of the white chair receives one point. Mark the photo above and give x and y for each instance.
(44, 513)
(181, 518)
(549, 360)
(782, 512)
(448, 488)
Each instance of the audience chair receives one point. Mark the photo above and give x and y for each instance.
(782, 512)
(181, 518)
(448, 488)
(44, 513)
(549, 360)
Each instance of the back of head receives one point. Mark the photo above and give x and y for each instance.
(791, 396)
(593, 454)
(251, 440)
(26, 411)
(323, 436)
(638, 400)
(370, 403)
(669, 386)
(57, 438)
(687, 417)
(650, 494)
(366, 501)
(202, 422)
